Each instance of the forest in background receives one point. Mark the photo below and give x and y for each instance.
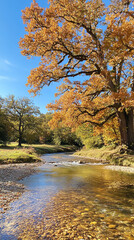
(21, 121)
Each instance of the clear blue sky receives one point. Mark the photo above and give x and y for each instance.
(15, 68)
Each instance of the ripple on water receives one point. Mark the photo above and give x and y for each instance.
(71, 201)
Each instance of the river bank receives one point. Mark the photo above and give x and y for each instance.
(10, 188)
(30, 153)
(120, 155)
(18, 163)
(121, 168)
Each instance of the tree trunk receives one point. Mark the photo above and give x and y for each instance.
(126, 123)
(20, 140)
(20, 133)
(130, 128)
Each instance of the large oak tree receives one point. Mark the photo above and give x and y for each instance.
(90, 47)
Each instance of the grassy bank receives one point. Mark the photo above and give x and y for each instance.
(18, 156)
(29, 153)
(116, 156)
(47, 148)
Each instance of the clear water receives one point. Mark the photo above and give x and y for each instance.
(68, 200)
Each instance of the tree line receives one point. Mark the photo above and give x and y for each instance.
(22, 121)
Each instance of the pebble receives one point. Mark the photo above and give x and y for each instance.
(112, 226)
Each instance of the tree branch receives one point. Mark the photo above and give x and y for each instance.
(111, 116)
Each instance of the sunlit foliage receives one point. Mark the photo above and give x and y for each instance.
(90, 48)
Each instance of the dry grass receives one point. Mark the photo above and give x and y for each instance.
(116, 156)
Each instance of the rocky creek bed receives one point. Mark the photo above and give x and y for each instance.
(66, 199)
(10, 188)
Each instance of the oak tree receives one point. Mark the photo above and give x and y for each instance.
(20, 113)
(89, 47)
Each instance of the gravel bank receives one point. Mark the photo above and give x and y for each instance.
(10, 189)
(120, 168)
(112, 167)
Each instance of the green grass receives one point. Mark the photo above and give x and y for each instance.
(111, 155)
(45, 148)
(29, 153)
(23, 155)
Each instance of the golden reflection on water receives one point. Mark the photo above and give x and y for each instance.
(96, 204)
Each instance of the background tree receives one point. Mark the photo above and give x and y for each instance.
(46, 134)
(64, 135)
(20, 113)
(86, 134)
(32, 132)
(4, 125)
(39, 130)
(92, 43)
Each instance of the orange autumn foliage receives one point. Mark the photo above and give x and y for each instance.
(90, 48)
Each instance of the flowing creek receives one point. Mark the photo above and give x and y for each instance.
(68, 200)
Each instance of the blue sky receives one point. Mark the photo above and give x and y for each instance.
(15, 68)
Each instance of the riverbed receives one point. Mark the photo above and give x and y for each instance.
(68, 200)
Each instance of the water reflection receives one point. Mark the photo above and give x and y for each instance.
(72, 201)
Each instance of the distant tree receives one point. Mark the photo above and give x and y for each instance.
(39, 131)
(3, 128)
(86, 134)
(4, 125)
(64, 135)
(46, 134)
(32, 132)
(20, 113)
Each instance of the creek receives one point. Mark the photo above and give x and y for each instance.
(69, 200)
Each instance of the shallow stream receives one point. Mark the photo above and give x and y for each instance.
(68, 200)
